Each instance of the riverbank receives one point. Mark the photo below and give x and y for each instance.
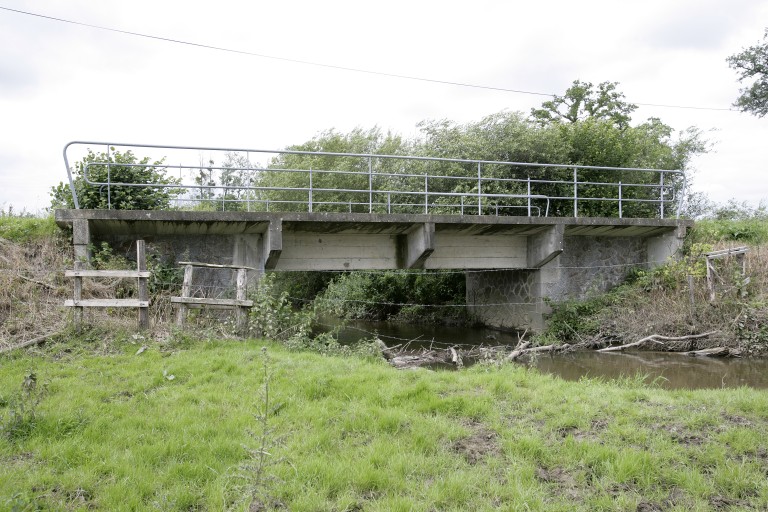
(178, 424)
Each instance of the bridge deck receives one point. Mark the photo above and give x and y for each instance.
(139, 222)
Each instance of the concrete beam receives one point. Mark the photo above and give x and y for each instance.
(545, 247)
(273, 243)
(416, 246)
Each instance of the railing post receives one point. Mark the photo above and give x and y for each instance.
(426, 194)
(310, 189)
(389, 202)
(575, 193)
(661, 195)
(529, 195)
(620, 209)
(462, 204)
(370, 184)
(479, 187)
(109, 181)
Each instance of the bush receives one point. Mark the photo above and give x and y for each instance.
(124, 168)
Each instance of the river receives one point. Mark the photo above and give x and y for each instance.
(668, 370)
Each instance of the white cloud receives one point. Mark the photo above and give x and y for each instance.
(60, 82)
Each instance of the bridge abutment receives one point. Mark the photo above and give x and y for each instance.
(585, 267)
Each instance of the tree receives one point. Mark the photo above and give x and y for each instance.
(350, 173)
(752, 63)
(116, 167)
(581, 101)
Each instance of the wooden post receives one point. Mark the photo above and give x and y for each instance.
(141, 263)
(710, 280)
(77, 311)
(186, 288)
(81, 237)
(242, 311)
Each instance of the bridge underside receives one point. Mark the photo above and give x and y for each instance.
(540, 257)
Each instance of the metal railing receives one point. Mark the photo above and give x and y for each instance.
(358, 182)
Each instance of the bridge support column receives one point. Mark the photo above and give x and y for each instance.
(81, 239)
(662, 248)
(416, 246)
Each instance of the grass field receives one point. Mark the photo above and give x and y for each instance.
(180, 426)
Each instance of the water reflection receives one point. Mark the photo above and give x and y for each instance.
(671, 371)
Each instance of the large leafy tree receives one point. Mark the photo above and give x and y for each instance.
(582, 101)
(117, 167)
(752, 64)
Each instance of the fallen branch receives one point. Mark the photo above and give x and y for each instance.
(41, 283)
(524, 350)
(655, 338)
(33, 341)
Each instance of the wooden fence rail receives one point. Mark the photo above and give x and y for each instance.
(240, 304)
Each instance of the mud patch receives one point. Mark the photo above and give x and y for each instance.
(737, 420)
(724, 503)
(479, 445)
(562, 479)
(645, 506)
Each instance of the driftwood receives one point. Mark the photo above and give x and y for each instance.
(715, 352)
(455, 357)
(33, 341)
(655, 338)
(524, 350)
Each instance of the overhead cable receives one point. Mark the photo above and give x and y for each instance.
(328, 66)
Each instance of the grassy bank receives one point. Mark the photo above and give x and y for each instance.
(674, 299)
(179, 427)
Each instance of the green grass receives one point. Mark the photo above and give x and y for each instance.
(20, 228)
(114, 433)
(752, 231)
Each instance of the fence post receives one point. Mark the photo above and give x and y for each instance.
(141, 263)
(186, 288)
(242, 311)
(661, 196)
(426, 194)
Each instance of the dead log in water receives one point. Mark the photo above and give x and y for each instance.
(656, 338)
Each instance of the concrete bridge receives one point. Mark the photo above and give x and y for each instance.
(517, 262)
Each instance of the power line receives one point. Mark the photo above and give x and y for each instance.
(327, 66)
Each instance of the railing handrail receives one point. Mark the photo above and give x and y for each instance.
(663, 186)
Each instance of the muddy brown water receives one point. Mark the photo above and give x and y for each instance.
(668, 370)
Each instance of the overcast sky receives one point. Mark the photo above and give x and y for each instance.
(61, 82)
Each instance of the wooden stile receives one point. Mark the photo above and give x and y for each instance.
(141, 274)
